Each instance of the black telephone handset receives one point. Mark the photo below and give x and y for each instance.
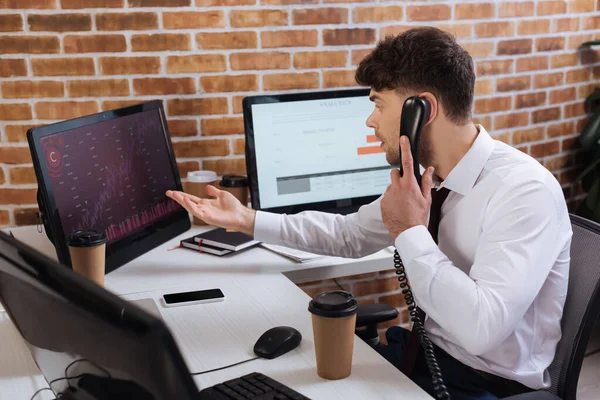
(415, 113)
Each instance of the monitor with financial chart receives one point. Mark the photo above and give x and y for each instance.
(109, 172)
(313, 151)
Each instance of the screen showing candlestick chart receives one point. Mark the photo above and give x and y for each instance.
(111, 176)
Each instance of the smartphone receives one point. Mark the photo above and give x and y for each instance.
(195, 297)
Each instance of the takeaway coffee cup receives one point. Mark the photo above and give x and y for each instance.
(236, 185)
(333, 320)
(196, 185)
(88, 254)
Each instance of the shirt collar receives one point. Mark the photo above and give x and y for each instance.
(463, 176)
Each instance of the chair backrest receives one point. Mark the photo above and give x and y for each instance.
(582, 307)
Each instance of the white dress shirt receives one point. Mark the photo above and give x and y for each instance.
(495, 286)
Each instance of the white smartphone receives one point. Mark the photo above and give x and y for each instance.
(194, 297)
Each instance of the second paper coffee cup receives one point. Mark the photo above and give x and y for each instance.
(196, 185)
(88, 254)
(334, 320)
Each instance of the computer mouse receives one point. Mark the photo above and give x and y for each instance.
(277, 341)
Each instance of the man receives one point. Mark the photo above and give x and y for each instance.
(494, 285)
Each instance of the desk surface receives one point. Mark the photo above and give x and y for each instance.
(258, 297)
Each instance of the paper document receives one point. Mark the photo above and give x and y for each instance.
(296, 255)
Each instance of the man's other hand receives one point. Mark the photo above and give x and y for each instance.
(404, 203)
(223, 209)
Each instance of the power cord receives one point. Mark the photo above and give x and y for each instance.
(225, 367)
(68, 378)
(338, 284)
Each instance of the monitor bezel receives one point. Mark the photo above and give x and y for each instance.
(129, 247)
(250, 151)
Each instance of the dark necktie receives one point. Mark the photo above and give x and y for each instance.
(412, 348)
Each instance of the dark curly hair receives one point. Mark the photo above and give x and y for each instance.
(423, 59)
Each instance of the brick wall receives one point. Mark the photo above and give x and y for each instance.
(64, 58)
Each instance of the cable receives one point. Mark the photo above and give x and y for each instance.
(338, 284)
(227, 366)
(434, 369)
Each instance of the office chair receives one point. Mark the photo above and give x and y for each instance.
(581, 311)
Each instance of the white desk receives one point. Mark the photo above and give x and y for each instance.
(258, 297)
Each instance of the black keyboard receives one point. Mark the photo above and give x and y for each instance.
(254, 386)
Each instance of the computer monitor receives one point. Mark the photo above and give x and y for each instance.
(79, 330)
(109, 172)
(313, 151)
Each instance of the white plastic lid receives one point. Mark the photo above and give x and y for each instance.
(202, 176)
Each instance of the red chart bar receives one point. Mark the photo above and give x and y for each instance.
(369, 150)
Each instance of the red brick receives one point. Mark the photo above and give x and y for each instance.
(159, 3)
(581, 6)
(134, 21)
(59, 22)
(511, 120)
(14, 112)
(204, 3)
(566, 25)
(359, 55)
(575, 41)
(63, 66)
(574, 110)
(65, 110)
(375, 286)
(257, 18)
(229, 83)
(29, 44)
(393, 30)
(182, 127)
(291, 81)
(95, 43)
(377, 14)
(22, 175)
(129, 65)
(26, 216)
(544, 149)
(227, 40)
(475, 11)
(239, 146)
(319, 16)
(562, 129)
(17, 133)
(484, 121)
(115, 104)
(79, 4)
(511, 47)
(551, 7)
(320, 59)
(18, 196)
(528, 135)
(550, 44)
(564, 60)
(494, 67)
(339, 78)
(479, 49)
(196, 63)
(586, 90)
(483, 87)
(330, 1)
(161, 42)
(22, 4)
(547, 80)
(530, 100)
(393, 300)
(545, 115)
(201, 148)
(492, 104)
(236, 166)
(459, 31)
(513, 83)
(157, 86)
(187, 166)
(100, 88)
(222, 126)
(562, 95)
(428, 13)
(193, 20)
(516, 9)
(536, 63)
(259, 61)
(237, 104)
(533, 27)
(494, 29)
(15, 155)
(558, 162)
(31, 89)
(591, 22)
(348, 36)
(11, 23)
(198, 106)
(12, 67)
(578, 75)
(4, 217)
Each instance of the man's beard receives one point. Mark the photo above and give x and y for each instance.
(425, 152)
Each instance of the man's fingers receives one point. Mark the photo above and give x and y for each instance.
(213, 191)
(193, 207)
(427, 183)
(407, 159)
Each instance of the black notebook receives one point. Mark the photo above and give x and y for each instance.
(220, 238)
(191, 243)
